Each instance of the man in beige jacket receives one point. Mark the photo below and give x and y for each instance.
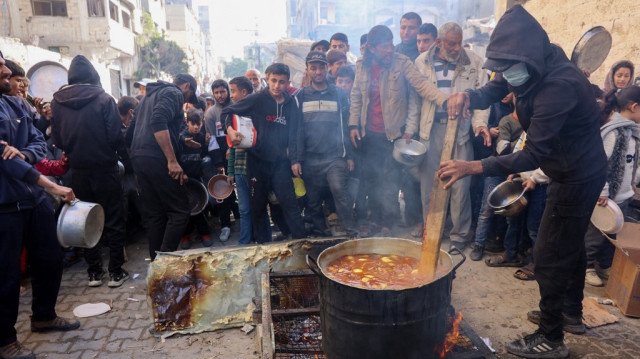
(380, 99)
(452, 69)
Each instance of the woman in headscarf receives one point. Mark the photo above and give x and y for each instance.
(620, 76)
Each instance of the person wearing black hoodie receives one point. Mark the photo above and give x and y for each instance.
(556, 106)
(275, 115)
(86, 125)
(26, 219)
(154, 150)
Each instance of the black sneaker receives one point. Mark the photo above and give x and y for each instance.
(57, 324)
(95, 279)
(477, 252)
(116, 279)
(537, 346)
(569, 325)
(15, 350)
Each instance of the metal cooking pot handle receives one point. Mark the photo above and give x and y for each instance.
(464, 258)
(315, 268)
(73, 201)
(219, 200)
(498, 211)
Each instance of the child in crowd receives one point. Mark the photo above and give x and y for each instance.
(344, 79)
(240, 87)
(621, 140)
(195, 146)
(275, 115)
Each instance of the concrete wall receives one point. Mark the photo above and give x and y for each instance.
(566, 21)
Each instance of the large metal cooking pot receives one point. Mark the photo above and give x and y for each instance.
(80, 224)
(409, 154)
(379, 324)
(507, 198)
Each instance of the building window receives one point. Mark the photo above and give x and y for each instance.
(126, 20)
(113, 11)
(49, 8)
(96, 8)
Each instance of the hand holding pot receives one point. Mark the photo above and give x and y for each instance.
(65, 193)
(176, 172)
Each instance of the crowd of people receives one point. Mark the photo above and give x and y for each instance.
(534, 120)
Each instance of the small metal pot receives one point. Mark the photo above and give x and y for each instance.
(197, 194)
(507, 198)
(409, 154)
(219, 188)
(80, 224)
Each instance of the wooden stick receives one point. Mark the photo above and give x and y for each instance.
(438, 207)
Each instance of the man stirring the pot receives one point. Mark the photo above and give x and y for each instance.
(556, 107)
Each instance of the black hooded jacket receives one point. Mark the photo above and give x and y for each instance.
(160, 109)
(86, 123)
(556, 106)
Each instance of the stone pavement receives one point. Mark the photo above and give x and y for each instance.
(491, 300)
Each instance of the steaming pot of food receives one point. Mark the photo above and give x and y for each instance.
(370, 320)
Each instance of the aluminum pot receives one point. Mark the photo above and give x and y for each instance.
(80, 224)
(392, 323)
(507, 198)
(409, 154)
(219, 188)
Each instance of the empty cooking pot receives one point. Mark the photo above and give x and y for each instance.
(507, 198)
(409, 154)
(219, 188)
(80, 224)
(197, 195)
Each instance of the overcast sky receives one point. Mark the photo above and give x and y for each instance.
(234, 24)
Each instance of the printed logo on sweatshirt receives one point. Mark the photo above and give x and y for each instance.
(281, 120)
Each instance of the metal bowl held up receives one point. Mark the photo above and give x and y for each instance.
(409, 154)
(219, 188)
(507, 198)
(592, 49)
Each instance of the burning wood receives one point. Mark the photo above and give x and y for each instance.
(451, 339)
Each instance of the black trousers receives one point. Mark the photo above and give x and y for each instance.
(560, 252)
(265, 176)
(166, 204)
(36, 229)
(105, 188)
(227, 206)
(382, 174)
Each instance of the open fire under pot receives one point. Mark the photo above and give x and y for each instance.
(341, 321)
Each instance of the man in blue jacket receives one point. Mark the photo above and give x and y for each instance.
(26, 219)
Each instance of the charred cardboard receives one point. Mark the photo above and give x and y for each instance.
(623, 286)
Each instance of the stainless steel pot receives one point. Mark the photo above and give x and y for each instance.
(592, 49)
(219, 188)
(409, 154)
(507, 198)
(80, 224)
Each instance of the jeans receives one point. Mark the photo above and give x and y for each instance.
(530, 218)
(166, 204)
(336, 174)
(559, 252)
(103, 187)
(265, 176)
(486, 213)
(36, 229)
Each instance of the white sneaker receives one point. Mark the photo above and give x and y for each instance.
(224, 234)
(592, 278)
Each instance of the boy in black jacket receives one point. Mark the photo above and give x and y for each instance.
(274, 114)
(195, 148)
